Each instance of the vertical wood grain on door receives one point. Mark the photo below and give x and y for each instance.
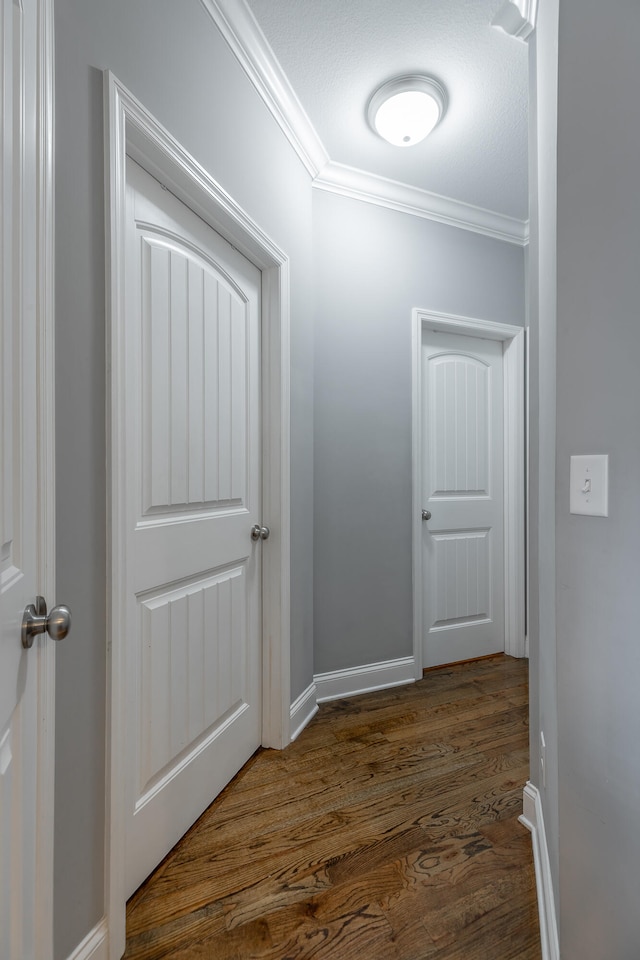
(462, 476)
(193, 573)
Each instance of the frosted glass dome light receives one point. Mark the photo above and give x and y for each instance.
(404, 111)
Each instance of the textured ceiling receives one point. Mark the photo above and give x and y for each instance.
(336, 52)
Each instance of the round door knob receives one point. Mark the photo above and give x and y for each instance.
(426, 514)
(260, 533)
(59, 622)
(35, 621)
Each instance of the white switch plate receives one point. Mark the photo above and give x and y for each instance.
(589, 485)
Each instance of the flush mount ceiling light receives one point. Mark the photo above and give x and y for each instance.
(404, 111)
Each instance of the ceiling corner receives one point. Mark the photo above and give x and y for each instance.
(517, 18)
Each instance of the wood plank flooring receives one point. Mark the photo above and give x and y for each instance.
(387, 831)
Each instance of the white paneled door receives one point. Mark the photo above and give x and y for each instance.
(26, 477)
(462, 489)
(192, 396)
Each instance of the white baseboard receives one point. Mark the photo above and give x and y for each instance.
(95, 944)
(532, 818)
(372, 676)
(303, 710)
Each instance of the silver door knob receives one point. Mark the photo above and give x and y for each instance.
(260, 533)
(426, 514)
(35, 620)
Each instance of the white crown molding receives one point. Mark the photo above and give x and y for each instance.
(533, 819)
(240, 29)
(517, 18)
(249, 45)
(360, 185)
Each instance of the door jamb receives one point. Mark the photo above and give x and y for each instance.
(513, 339)
(130, 130)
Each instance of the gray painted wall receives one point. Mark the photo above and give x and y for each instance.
(172, 58)
(598, 399)
(542, 417)
(373, 266)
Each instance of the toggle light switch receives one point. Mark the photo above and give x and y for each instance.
(589, 485)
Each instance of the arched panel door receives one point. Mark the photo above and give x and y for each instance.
(191, 404)
(462, 491)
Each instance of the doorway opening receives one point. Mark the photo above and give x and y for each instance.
(132, 134)
(512, 465)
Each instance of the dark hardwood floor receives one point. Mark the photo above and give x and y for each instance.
(388, 831)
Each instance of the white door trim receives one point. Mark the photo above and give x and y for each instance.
(45, 322)
(514, 467)
(533, 819)
(131, 130)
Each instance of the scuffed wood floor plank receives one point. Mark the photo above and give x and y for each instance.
(387, 831)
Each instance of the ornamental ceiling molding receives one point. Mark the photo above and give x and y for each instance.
(360, 185)
(238, 26)
(517, 18)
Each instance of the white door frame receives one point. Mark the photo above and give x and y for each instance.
(131, 130)
(514, 468)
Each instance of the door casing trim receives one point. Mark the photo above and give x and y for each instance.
(513, 338)
(130, 130)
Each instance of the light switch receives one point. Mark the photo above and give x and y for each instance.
(589, 485)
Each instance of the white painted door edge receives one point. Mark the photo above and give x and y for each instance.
(533, 819)
(131, 130)
(45, 443)
(513, 338)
